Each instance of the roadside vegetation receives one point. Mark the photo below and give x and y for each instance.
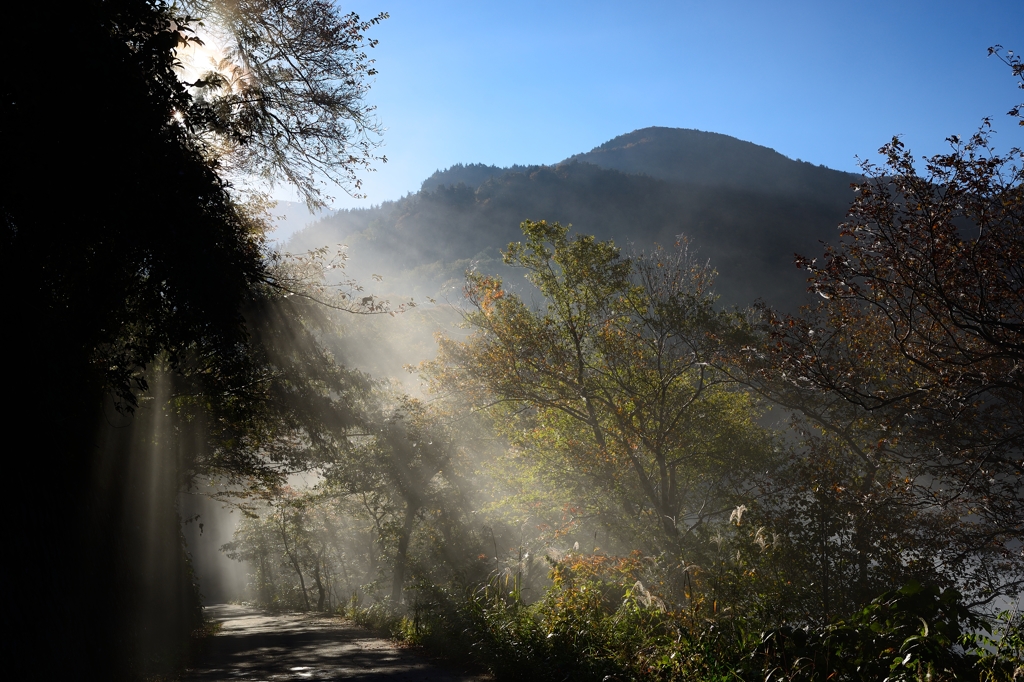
(610, 477)
(602, 475)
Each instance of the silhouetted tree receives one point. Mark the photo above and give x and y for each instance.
(911, 363)
(285, 94)
(124, 244)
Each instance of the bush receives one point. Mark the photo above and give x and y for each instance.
(598, 621)
(916, 633)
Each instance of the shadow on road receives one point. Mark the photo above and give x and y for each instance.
(253, 645)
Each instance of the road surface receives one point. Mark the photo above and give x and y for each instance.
(257, 646)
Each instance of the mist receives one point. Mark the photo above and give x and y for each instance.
(738, 213)
(678, 405)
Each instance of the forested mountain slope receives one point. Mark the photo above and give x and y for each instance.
(715, 160)
(746, 208)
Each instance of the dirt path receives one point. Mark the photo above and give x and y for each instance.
(253, 645)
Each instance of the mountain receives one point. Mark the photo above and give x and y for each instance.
(470, 174)
(706, 159)
(745, 207)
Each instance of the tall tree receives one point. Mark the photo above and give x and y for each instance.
(613, 379)
(912, 357)
(284, 85)
(402, 464)
(127, 245)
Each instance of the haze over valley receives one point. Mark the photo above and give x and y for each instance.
(746, 208)
(560, 342)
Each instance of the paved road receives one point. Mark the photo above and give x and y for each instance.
(257, 646)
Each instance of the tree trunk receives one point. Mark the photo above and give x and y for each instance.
(824, 578)
(294, 560)
(401, 557)
(321, 595)
(861, 544)
(862, 535)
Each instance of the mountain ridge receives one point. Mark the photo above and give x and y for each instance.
(713, 159)
(747, 208)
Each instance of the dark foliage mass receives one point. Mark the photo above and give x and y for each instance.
(748, 208)
(907, 369)
(138, 279)
(122, 242)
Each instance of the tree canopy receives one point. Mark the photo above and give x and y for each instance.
(134, 256)
(911, 357)
(613, 380)
(282, 87)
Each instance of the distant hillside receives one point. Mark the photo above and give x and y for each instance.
(745, 207)
(470, 174)
(288, 217)
(713, 160)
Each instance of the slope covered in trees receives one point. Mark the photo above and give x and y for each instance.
(715, 160)
(746, 208)
(609, 420)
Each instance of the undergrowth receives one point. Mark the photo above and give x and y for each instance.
(600, 623)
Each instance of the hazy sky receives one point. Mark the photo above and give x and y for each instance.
(534, 82)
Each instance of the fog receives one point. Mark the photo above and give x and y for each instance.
(424, 482)
(209, 524)
(676, 407)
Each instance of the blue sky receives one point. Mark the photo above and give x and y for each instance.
(534, 82)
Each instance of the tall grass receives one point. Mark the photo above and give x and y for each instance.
(598, 622)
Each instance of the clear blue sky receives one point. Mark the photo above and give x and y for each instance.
(534, 82)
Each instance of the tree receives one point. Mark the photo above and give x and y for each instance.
(141, 257)
(612, 382)
(295, 542)
(401, 465)
(284, 97)
(912, 357)
(390, 509)
(1017, 68)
